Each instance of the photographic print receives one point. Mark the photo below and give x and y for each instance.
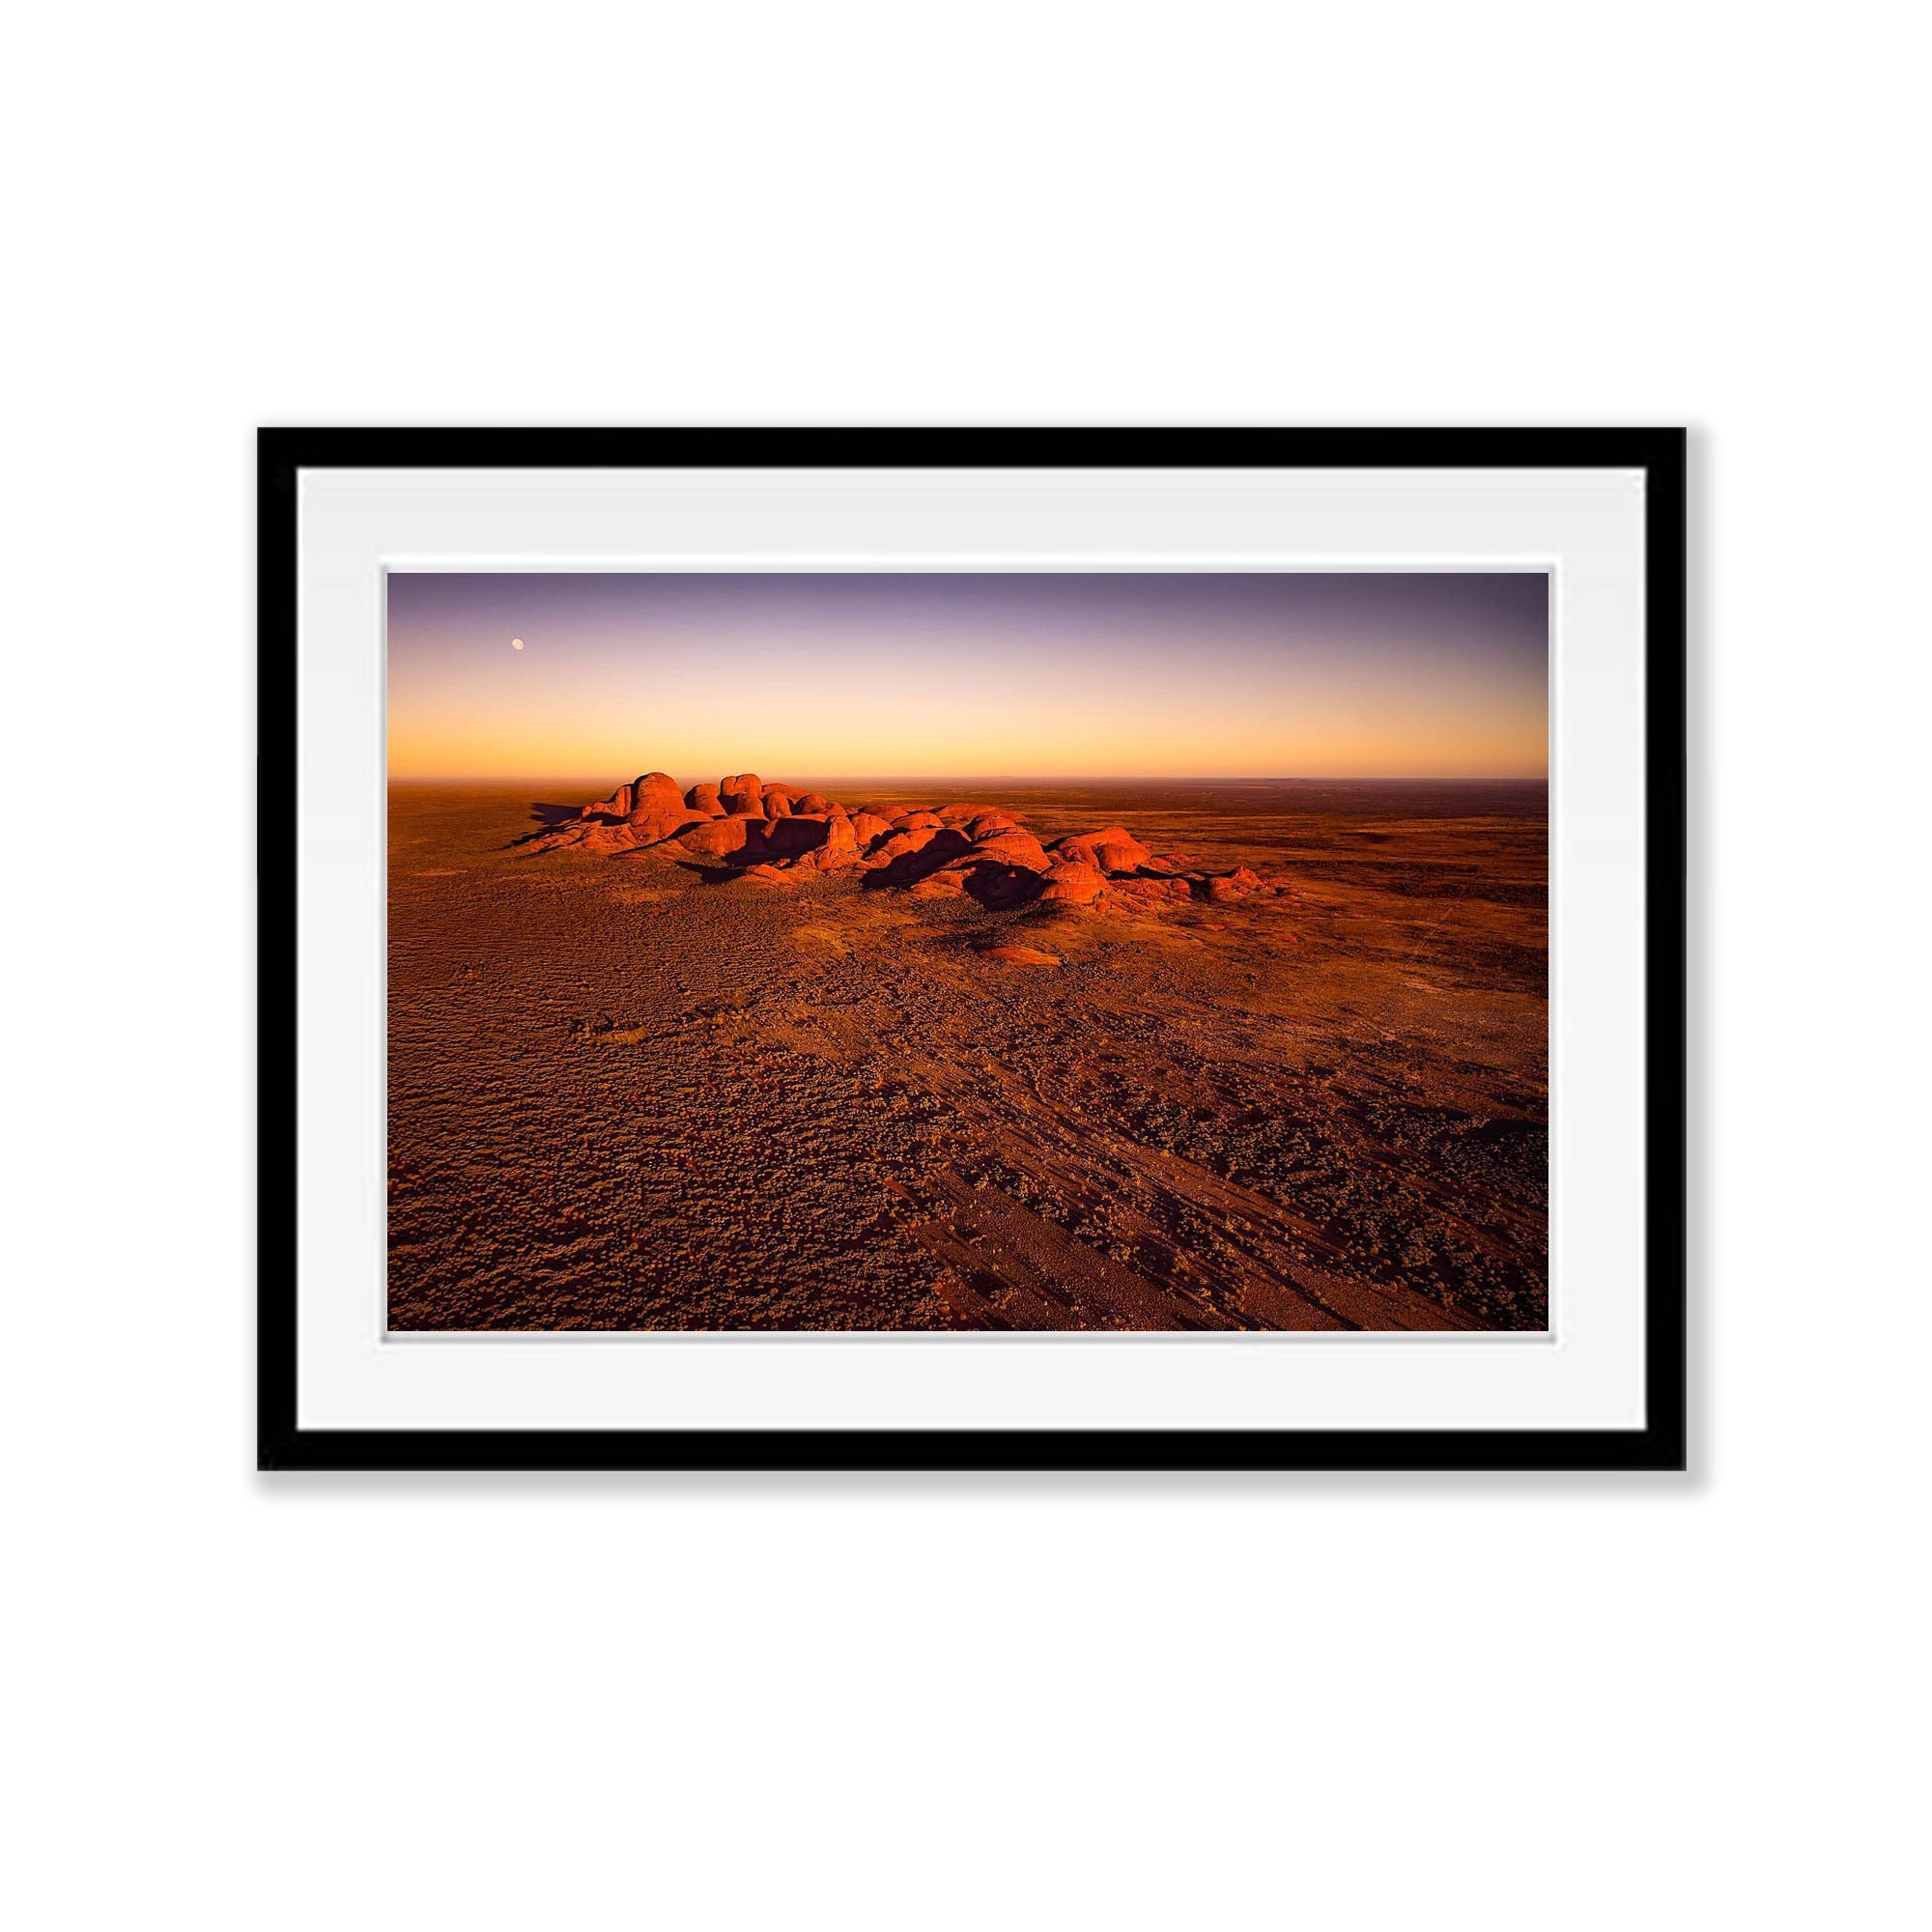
(968, 952)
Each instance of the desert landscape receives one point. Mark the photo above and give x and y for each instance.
(1044, 1017)
(743, 1053)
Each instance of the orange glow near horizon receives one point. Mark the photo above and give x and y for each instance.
(1015, 677)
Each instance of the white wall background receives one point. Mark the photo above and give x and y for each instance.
(1523, 1704)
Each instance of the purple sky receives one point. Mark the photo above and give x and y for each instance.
(1121, 674)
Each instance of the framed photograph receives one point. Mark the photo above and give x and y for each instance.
(972, 949)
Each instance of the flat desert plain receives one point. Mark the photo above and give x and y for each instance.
(644, 1090)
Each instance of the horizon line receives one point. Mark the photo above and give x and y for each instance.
(1010, 777)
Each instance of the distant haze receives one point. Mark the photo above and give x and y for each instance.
(1069, 676)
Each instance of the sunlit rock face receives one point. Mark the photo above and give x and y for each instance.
(775, 833)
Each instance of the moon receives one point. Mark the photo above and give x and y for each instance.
(516, 643)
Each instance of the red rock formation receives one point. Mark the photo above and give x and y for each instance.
(657, 789)
(717, 837)
(657, 809)
(914, 840)
(1011, 848)
(1112, 848)
(616, 806)
(1152, 891)
(1073, 884)
(1234, 885)
(775, 833)
(604, 837)
(841, 845)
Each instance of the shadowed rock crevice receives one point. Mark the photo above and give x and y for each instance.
(774, 833)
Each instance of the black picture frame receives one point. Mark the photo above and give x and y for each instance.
(1660, 1444)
